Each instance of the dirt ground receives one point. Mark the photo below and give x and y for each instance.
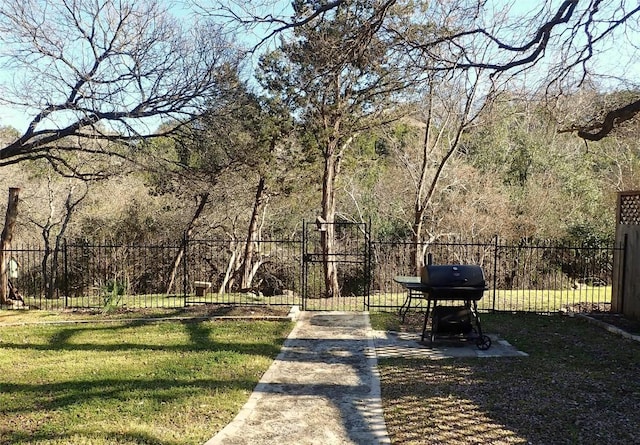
(205, 310)
(617, 320)
(602, 312)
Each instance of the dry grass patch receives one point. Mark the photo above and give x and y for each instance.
(8, 317)
(579, 385)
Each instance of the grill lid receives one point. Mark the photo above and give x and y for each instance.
(453, 275)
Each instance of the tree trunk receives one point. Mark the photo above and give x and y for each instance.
(426, 190)
(5, 242)
(232, 267)
(203, 198)
(69, 206)
(252, 235)
(327, 236)
(421, 203)
(416, 252)
(47, 278)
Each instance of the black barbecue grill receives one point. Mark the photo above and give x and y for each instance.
(461, 286)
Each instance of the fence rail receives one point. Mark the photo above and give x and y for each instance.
(542, 277)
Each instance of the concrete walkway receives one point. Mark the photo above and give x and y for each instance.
(324, 387)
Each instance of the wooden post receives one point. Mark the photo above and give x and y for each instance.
(5, 242)
(625, 290)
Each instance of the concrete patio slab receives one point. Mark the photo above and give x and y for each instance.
(409, 345)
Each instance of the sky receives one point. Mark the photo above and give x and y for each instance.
(19, 119)
(10, 117)
(183, 10)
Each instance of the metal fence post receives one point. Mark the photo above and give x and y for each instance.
(304, 266)
(495, 273)
(185, 268)
(66, 272)
(367, 263)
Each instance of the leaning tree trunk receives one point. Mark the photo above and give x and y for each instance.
(426, 189)
(5, 242)
(423, 200)
(203, 198)
(423, 196)
(416, 241)
(69, 206)
(48, 278)
(252, 235)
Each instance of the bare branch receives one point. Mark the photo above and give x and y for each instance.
(557, 46)
(106, 69)
(606, 126)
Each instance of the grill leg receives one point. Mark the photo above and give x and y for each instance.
(483, 342)
(426, 318)
(411, 295)
(405, 306)
(473, 305)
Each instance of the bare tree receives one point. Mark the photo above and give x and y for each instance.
(451, 104)
(53, 226)
(101, 70)
(558, 46)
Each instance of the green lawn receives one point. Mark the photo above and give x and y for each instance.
(516, 300)
(129, 382)
(527, 300)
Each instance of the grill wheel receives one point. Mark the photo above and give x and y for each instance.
(483, 342)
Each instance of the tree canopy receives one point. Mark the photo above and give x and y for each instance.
(552, 47)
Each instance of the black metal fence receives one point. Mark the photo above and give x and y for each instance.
(531, 277)
(540, 277)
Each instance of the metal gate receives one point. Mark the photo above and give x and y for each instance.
(351, 258)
